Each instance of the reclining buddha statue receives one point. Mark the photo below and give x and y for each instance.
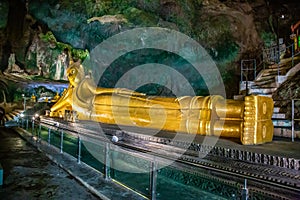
(249, 120)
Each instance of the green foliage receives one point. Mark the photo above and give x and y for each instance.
(48, 37)
(226, 49)
(48, 52)
(4, 13)
(31, 64)
(98, 8)
(140, 17)
(107, 7)
(129, 8)
(14, 92)
(198, 2)
(215, 35)
(79, 54)
(121, 5)
(42, 91)
(268, 38)
(210, 28)
(59, 47)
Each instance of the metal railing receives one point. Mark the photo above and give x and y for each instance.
(293, 118)
(246, 66)
(268, 55)
(55, 134)
(61, 129)
(290, 120)
(109, 149)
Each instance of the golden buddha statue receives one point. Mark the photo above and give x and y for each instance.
(249, 120)
(55, 98)
(33, 98)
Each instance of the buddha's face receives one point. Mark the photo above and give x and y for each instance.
(73, 75)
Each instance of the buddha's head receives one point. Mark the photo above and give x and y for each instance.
(75, 73)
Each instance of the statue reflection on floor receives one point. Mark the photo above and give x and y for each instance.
(249, 120)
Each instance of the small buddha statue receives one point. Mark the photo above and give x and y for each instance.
(33, 98)
(55, 98)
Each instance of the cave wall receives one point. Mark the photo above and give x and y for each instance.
(40, 31)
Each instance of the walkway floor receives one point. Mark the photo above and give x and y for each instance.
(30, 174)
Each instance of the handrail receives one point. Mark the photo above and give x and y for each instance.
(136, 151)
(293, 118)
(261, 60)
(64, 128)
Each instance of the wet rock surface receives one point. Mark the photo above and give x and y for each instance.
(29, 174)
(285, 93)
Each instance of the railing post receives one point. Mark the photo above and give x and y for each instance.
(79, 150)
(278, 68)
(26, 124)
(293, 119)
(293, 54)
(107, 162)
(49, 136)
(32, 127)
(39, 131)
(278, 59)
(242, 69)
(153, 180)
(61, 141)
(255, 69)
(245, 194)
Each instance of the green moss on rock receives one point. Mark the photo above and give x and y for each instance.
(4, 12)
(140, 17)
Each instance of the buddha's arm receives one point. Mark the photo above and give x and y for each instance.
(63, 101)
(121, 91)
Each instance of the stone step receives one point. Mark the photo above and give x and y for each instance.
(264, 95)
(282, 71)
(263, 82)
(272, 72)
(285, 132)
(276, 109)
(12, 115)
(239, 97)
(265, 78)
(282, 65)
(282, 123)
(280, 102)
(268, 91)
(8, 117)
(17, 112)
(270, 85)
(278, 116)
